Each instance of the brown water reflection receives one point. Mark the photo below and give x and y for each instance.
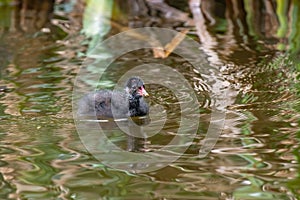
(251, 42)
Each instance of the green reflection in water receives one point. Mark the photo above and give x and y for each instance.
(32, 146)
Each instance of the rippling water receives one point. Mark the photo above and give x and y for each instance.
(42, 155)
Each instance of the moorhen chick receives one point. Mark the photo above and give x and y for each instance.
(118, 104)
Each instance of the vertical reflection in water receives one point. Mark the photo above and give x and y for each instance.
(29, 43)
(263, 105)
(32, 69)
(64, 163)
(256, 156)
(136, 141)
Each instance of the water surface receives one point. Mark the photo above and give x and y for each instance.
(256, 156)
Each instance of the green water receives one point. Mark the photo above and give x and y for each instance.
(256, 157)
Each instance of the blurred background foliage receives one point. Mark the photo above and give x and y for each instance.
(272, 22)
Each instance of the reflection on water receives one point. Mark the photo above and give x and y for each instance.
(256, 157)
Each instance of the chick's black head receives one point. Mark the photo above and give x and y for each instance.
(135, 87)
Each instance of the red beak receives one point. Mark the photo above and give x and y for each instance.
(143, 92)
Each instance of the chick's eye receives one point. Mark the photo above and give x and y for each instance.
(140, 88)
